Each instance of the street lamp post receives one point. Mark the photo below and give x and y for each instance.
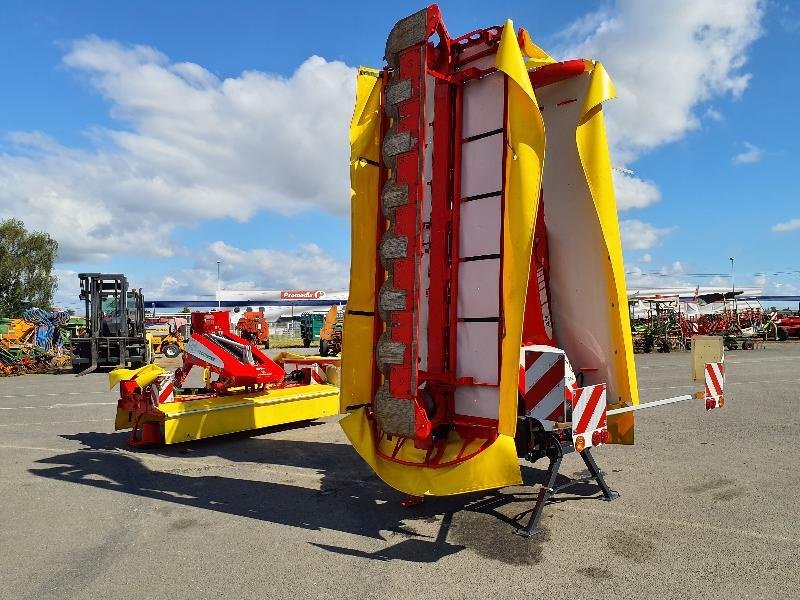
(219, 303)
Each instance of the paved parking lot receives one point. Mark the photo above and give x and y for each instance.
(709, 506)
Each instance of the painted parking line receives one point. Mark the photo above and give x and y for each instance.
(60, 405)
(50, 423)
(680, 523)
(53, 394)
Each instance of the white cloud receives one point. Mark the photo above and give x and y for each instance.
(713, 114)
(647, 258)
(637, 235)
(305, 267)
(666, 58)
(720, 281)
(790, 225)
(665, 277)
(191, 147)
(632, 192)
(751, 154)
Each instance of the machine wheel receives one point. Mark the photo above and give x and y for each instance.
(748, 345)
(77, 368)
(783, 335)
(306, 342)
(266, 345)
(324, 347)
(171, 350)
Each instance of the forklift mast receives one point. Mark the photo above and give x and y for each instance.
(107, 314)
(114, 322)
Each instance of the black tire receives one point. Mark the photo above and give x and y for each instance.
(748, 345)
(324, 347)
(172, 350)
(783, 335)
(77, 368)
(266, 345)
(306, 342)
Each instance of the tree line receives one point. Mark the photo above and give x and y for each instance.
(26, 268)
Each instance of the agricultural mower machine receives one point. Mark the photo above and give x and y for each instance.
(487, 318)
(243, 389)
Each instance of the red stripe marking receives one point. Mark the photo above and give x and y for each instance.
(591, 406)
(165, 394)
(530, 358)
(543, 387)
(713, 375)
(557, 414)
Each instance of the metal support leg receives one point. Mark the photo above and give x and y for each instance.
(556, 455)
(608, 494)
(555, 452)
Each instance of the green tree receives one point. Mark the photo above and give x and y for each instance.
(26, 268)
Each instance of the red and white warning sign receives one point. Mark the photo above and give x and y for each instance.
(162, 390)
(546, 383)
(589, 417)
(715, 383)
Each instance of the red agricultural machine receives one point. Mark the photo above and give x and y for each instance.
(787, 326)
(487, 318)
(243, 389)
(253, 327)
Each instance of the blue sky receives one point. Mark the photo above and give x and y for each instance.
(157, 138)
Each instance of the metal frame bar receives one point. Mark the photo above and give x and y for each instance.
(624, 409)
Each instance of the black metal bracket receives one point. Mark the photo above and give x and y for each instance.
(555, 451)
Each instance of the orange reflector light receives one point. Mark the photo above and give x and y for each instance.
(580, 443)
(596, 437)
(721, 401)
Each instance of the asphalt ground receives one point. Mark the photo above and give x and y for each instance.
(708, 509)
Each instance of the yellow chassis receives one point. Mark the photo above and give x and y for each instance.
(217, 415)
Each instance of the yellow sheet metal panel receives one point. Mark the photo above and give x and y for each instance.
(358, 329)
(620, 426)
(524, 161)
(123, 420)
(144, 376)
(593, 152)
(268, 397)
(496, 466)
(196, 419)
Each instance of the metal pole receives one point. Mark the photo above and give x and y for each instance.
(219, 303)
(733, 288)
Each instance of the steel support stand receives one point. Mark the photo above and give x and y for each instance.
(555, 452)
(608, 493)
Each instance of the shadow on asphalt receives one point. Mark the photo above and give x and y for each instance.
(351, 499)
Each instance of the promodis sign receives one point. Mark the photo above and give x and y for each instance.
(301, 295)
